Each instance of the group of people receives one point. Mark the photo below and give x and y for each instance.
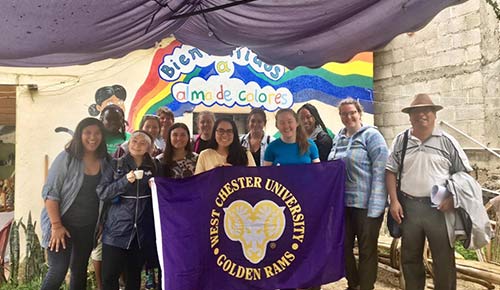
(91, 198)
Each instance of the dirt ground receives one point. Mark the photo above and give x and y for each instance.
(489, 179)
(388, 281)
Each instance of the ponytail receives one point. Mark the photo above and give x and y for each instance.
(301, 137)
(302, 140)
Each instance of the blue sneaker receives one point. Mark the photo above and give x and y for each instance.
(150, 280)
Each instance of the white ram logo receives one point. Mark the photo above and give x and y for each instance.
(254, 227)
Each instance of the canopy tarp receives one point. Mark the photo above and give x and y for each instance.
(289, 32)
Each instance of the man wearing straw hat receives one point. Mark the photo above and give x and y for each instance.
(430, 158)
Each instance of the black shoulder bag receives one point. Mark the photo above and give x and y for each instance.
(393, 227)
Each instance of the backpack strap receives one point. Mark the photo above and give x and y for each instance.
(403, 153)
(196, 144)
(119, 168)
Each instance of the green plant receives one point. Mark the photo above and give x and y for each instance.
(14, 251)
(34, 262)
(31, 285)
(467, 254)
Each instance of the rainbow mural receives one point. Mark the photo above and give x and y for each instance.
(181, 77)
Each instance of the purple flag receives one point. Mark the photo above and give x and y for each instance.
(235, 228)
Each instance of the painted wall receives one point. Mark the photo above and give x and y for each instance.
(66, 95)
(455, 59)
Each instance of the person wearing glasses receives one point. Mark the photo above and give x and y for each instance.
(364, 151)
(224, 148)
(315, 129)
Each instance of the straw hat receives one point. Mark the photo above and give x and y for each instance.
(420, 101)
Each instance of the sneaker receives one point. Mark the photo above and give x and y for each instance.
(150, 280)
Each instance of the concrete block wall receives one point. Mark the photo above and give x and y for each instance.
(455, 59)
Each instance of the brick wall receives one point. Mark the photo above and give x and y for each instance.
(455, 59)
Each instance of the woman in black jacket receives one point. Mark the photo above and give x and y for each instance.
(129, 229)
(315, 129)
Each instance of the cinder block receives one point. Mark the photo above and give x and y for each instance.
(451, 57)
(452, 25)
(472, 20)
(428, 32)
(393, 119)
(383, 57)
(465, 8)
(452, 98)
(475, 96)
(466, 38)
(473, 80)
(473, 53)
(415, 51)
(447, 114)
(378, 118)
(439, 44)
(402, 68)
(382, 72)
(470, 112)
(424, 63)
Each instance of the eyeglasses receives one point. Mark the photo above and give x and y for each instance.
(348, 114)
(222, 131)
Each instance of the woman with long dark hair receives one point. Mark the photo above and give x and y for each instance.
(224, 149)
(178, 160)
(71, 211)
(256, 140)
(315, 129)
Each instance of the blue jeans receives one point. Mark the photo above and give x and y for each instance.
(75, 256)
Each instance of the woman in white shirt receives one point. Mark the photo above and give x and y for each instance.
(224, 149)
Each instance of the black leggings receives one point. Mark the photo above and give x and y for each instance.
(117, 260)
(75, 256)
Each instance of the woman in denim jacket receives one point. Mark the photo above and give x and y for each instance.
(70, 215)
(365, 153)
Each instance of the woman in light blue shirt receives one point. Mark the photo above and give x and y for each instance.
(293, 147)
(365, 153)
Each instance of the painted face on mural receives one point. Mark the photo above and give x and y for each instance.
(287, 125)
(205, 124)
(350, 116)
(224, 134)
(151, 126)
(307, 120)
(113, 100)
(91, 138)
(179, 138)
(256, 124)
